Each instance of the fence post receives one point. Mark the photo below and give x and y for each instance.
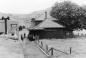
(70, 50)
(37, 38)
(51, 51)
(46, 48)
(41, 44)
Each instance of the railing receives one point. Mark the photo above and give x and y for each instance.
(49, 51)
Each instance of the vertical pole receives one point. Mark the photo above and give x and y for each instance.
(41, 44)
(5, 20)
(70, 50)
(47, 49)
(51, 51)
(37, 38)
(45, 14)
(5, 25)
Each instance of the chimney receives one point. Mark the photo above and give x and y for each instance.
(32, 22)
(45, 14)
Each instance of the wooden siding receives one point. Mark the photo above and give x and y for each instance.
(49, 33)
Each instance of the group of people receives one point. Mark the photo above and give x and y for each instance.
(24, 33)
(29, 37)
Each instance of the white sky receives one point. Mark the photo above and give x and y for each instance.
(28, 6)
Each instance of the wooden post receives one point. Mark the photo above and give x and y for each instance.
(70, 50)
(45, 14)
(37, 38)
(51, 51)
(47, 49)
(41, 44)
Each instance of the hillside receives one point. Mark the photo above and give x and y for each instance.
(35, 14)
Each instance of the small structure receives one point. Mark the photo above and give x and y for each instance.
(47, 28)
(13, 26)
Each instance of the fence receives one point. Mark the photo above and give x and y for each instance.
(49, 51)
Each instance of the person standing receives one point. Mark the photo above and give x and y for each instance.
(22, 38)
(30, 37)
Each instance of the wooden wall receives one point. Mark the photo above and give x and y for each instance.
(49, 33)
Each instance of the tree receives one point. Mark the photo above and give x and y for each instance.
(69, 14)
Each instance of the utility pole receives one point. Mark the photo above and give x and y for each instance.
(5, 21)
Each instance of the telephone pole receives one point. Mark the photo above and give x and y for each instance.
(5, 21)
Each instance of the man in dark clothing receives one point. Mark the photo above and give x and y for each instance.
(30, 37)
(22, 38)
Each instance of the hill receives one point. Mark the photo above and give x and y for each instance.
(35, 14)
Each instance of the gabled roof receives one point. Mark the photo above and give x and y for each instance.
(47, 23)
